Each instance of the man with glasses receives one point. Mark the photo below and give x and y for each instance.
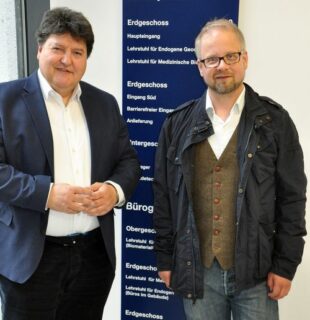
(229, 191)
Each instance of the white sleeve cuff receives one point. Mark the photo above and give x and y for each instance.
(46, 208)
(120, 193)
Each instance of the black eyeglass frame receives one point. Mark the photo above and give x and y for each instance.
(222, 58)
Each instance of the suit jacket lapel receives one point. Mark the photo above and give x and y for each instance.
(94, 135)
(36, 106)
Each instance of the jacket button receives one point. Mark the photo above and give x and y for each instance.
(250, 155)
(176, 159)
(216, 217)
(240, 190)
(216, 200)
(189, 296)
(216, 232)
(189, 263)
(217, 169)
(217, 184)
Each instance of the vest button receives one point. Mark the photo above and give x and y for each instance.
(217, 169)
(217, 184)
(189, 263)
(240, 190)
(189, 296)
(250, 155)
(216, 232)
(216, 200)
(216, 217)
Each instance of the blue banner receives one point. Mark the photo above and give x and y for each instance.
(159, 73)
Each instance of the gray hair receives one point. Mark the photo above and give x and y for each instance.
(218, 24)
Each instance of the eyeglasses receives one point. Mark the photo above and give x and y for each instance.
(229, 58)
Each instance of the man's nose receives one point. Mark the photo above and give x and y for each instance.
(66, 58)
(222, 64)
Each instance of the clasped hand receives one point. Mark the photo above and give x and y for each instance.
(95, 200)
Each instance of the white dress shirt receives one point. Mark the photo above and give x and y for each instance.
(72, 157)
(224, 129)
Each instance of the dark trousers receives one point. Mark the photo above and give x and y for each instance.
(72, 282)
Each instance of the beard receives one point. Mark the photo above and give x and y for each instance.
(225, 87)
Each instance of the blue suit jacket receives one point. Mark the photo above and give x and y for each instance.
(27, 168)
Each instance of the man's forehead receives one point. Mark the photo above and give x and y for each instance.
(64, 36)
(219, 37)
(217, 32)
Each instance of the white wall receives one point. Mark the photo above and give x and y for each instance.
(8, 61)
(278, 41)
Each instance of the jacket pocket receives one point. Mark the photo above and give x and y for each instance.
(6, 214)
(181, 277)
(264, 160)
(262, 173)
(266, 234)
(174, 171)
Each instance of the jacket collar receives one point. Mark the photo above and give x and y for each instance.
(202, 122)
(35, 104)
(201, 126)
(34, 101)
(253, 106)
(254, 115)
(91, 105)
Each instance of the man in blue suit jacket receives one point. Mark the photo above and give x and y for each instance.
(65, 163)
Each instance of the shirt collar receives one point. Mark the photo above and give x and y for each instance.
(48, 91)
(237, 107)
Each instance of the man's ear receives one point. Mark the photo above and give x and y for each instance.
(245, 59)
(39, 50)
(200, 67)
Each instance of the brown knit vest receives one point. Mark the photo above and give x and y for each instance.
(214, 197)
